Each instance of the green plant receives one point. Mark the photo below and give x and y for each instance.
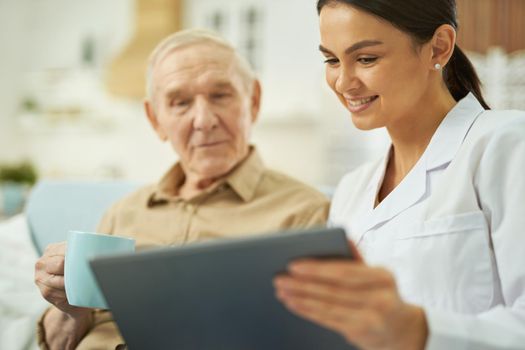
(23, 173)
(29, 104)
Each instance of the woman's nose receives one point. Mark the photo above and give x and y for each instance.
(346, 80)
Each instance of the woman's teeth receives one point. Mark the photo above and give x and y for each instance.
(357, 103)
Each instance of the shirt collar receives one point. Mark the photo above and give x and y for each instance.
(246, 177)
(452, 132)
(168, 187)
(243, 180)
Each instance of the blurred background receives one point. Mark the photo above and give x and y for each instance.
(72, 77)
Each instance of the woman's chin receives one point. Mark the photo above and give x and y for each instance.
(365, 123)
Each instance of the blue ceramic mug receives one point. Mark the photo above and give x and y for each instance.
(81, 287)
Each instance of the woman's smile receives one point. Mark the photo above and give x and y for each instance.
(359, 104)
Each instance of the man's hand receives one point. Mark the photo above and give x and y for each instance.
(65, 325)
(63, 332)
(49, 276)
(358, 301)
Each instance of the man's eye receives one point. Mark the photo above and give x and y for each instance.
(331, 61)
(367, 60)
(220, 95)
(180, 103)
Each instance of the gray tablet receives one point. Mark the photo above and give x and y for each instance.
(215, 295)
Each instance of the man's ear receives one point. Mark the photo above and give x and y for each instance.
(153, 120)
(443, 43)
(255, 100)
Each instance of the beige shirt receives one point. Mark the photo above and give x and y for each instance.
(249, 201)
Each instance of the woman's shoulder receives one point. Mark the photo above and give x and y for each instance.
(494, 121)
(494, 125)
(495, 140)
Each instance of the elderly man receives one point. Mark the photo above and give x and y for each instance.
(203, 98)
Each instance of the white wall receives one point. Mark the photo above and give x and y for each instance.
(46, 38)
(121, 146)
(57, 30)
(290, 66)
(13, 15)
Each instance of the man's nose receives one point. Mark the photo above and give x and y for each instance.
(204, 116)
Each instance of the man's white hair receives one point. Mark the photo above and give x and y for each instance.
(191, 37)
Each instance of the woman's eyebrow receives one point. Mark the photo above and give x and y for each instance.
(354, 47)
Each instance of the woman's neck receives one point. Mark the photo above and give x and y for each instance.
(411, 136)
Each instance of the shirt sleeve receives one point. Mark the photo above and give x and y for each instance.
(104, 333)
(501, 194)
(107, 223)
(314, 217)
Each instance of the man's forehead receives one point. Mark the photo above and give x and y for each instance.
(196, 56)
(195, 64)
(176, 87)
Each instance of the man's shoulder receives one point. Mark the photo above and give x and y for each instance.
(277, 182)
(139, 197)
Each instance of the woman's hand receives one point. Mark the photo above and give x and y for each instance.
(358, 301)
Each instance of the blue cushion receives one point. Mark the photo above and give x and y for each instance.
(55, 207)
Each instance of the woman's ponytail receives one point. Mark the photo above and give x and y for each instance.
(461, 77)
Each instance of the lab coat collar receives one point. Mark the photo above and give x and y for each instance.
(452, 131)
(441, 150)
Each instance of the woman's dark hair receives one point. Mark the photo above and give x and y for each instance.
(420, 19)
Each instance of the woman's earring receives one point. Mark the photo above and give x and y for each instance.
(437, 66)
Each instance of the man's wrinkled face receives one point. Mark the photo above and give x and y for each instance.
(204, 108)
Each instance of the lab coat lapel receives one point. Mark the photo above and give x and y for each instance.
(366, 216)
(406, 194)
(450, 135)
(415, 186)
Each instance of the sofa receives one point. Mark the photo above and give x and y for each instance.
(53, 208)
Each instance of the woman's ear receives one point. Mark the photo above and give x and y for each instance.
(153, 120)
(443, 43)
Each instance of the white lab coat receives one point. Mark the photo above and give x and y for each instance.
(453, 231)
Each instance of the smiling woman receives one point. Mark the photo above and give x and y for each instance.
(438, 221)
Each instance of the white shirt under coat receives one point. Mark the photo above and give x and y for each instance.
(453, 231)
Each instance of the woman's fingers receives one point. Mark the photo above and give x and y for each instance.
(382, 300)
(354, 324)
(288, 287)
(341, 272)
(360, 302)
(356, 255)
